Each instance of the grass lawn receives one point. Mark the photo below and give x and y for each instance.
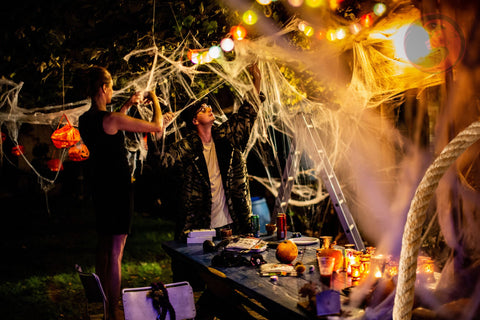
(40, 248)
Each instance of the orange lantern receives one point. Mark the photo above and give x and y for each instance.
(65, 136)
(78, 152)
(18, 150)
(238, 32)
(55, 165)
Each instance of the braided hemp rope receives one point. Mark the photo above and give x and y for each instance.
(411, 241)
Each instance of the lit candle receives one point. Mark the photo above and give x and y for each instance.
(355, 271)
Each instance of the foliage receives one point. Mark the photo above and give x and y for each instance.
(41, 282)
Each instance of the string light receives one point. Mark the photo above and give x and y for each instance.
(309, 31)
(250, 17)
(366, 20)
(238, 32)
(227, 44)
(340, 33)
(215, 52)
(315, 3)
(295, 3)
(379, 9)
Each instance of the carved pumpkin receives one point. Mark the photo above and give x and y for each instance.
(65, 136)
(287, 251)
(18, 150)
(78, 152)
(55, 165)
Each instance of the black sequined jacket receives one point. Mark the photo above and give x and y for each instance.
(189, 181)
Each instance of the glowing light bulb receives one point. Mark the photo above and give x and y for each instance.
(334, 4)
(340, 33)
(331, 35)
(215, 52)
(193, 56)
(295, 3)
(238, 32)
(320, 35)
(301, 26)
(250, 17)
(227, 44)
(379, 9)
(206, 58)
(315, 3)
(355, 28)
(264, 2)
(309, 31)
(366, 20)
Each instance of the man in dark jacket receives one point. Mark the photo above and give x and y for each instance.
(210, 170)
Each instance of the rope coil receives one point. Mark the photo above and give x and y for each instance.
(411, 241)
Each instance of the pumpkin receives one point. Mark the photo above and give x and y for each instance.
(55, 165)
(78, 152)
(334, 253)
(18, 150)
(66, 136)
(287, 251)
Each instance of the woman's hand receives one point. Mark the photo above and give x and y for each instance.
(168, 118)
(136, 98)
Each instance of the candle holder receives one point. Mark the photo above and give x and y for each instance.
(356, 275)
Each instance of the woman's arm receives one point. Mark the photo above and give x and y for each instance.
(115, 121)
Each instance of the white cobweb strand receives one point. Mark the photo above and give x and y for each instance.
(347, 130)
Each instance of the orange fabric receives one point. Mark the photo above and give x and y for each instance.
(65, 136)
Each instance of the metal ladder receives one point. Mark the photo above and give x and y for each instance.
(311, 135)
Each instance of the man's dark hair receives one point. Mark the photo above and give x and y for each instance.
(191, 112)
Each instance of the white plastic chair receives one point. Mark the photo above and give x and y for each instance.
(137, 306)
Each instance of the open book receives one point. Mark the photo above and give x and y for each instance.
(245, 245)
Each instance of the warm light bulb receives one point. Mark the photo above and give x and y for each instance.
(340, 33)
(366, 20)
(238, 32)
(227, 44)
(331, 35)
(302, 25)
(309, 31)
(250, 17)
(193, 56)
(315, 3)
(264, 2)
(379, 9)
(355, 28)
(215, 52)
(295, 3)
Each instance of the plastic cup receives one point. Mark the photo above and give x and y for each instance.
(325, 266)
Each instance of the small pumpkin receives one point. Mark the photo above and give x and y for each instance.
(287, 251)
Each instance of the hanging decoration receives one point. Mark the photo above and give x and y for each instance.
(55, 165)
(78, 152)
(18, 150)
(65, 136)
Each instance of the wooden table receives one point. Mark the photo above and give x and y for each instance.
(272, 299)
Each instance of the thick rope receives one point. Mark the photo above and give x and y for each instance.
(411, 241)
